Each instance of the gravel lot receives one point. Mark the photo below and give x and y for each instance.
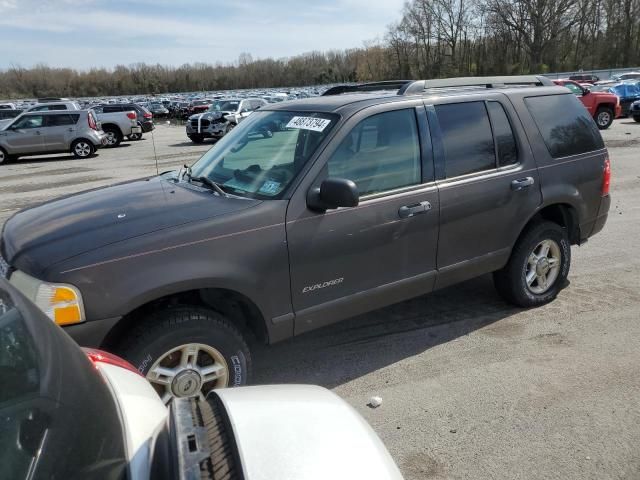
(471, 388)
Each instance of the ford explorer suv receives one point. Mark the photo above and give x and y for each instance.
(602, 106)
(369, 195)
(221, 117)
(39, 133)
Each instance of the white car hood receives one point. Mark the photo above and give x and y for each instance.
(299, 432)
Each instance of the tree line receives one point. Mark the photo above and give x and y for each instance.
(432, 38)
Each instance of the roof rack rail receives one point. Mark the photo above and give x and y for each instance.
(368, 87)
(413, 87)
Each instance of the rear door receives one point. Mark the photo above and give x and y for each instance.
(60, 130)
(25, 135)
(488, 183)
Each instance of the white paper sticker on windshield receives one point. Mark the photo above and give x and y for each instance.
(309, 123)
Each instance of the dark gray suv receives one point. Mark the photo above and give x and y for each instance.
(367, 196)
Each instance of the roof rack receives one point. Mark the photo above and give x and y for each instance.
(413, 87)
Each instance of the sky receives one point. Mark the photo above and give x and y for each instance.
(103, 33)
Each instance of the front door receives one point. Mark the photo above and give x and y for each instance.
(488, 184)
(351, 260)
(25, 135)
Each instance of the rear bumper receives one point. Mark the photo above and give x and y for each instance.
(603, 214)
(91, 333)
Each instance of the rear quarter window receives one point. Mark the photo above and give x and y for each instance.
(565, 125)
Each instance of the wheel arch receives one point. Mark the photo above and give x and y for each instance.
(113, 126)
(239, 309)
(560, 213)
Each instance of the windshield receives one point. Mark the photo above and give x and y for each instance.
(261, 157)
(215, 106)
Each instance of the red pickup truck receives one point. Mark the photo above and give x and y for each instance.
(602, 106)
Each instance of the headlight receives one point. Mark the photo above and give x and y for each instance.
(61, 302)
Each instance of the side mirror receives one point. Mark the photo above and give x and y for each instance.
(586, 91)
(333, 193)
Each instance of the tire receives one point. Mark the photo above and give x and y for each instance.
(511, 281)
(82, 148)
(114, 137)
(134, 137)
(5, 157)
(163, 339)
(222, 464)
(636, 118)
(604, 117)
(197, 138)
(230, 127)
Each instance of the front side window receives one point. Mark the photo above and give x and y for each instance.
(30, 121)
(467, 138)
(565, 125)
(61, 120)
(574, 88)
(381, 153)
(264, 153)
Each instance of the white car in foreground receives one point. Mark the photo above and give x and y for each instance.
(69, 413)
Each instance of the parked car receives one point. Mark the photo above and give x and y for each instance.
(7, 106)
(54, 106)
(584, 77)
(157, 109)
(117, 124)
(628, 93)
(144, 116)
(221, 117)
(57, 399)
(370, 195)
(603, 106)
(9, 114)
(39, 133)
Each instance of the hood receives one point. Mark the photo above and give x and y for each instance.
(210, 115)
(44, 235)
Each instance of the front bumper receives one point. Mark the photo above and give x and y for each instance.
(91, 333)
(211, 130)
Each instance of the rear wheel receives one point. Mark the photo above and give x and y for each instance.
(5, 157)
(114, 136)
(604, 117)
(187, 352)
(538, 267)
(82, 148)
(134, 136)
(636, 118)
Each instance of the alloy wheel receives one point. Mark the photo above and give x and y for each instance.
(543, 266)
(111, 138)
(604, 118)
(82, 149)
(190, 370)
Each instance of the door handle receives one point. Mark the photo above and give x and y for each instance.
(408, 211)
(522, 183)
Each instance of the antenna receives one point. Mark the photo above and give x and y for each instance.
(155, 155)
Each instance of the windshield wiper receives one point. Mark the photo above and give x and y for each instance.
(210, 183)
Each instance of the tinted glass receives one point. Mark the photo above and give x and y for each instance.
(111, 109)
(565, 125)
(381, 153)
(60, 120)
(505, 141)
(31, 121)
(57, 107)
(467, 138)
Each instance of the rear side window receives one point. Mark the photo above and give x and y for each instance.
(61, 120)
(467, 138)
(505, 141)
(111, 109)
(565, 125)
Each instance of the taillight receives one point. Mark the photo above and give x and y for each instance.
(606, 177)
(148, 115)
(98, 356)
(92, 122)
(132, 115)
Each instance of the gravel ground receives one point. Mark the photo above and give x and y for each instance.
(471, 388)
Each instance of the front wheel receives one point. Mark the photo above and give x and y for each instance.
(5, 157)
(636, 118)
(538, 267)
(197, 138)
(82, 148)
(187, 352)
(604, 118)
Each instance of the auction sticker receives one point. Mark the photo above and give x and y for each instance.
(309, 123)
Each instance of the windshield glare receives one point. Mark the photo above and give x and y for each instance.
(228, 106)
(261, 157)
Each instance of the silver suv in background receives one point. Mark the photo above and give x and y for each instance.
(54, 106)
(39, 133)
